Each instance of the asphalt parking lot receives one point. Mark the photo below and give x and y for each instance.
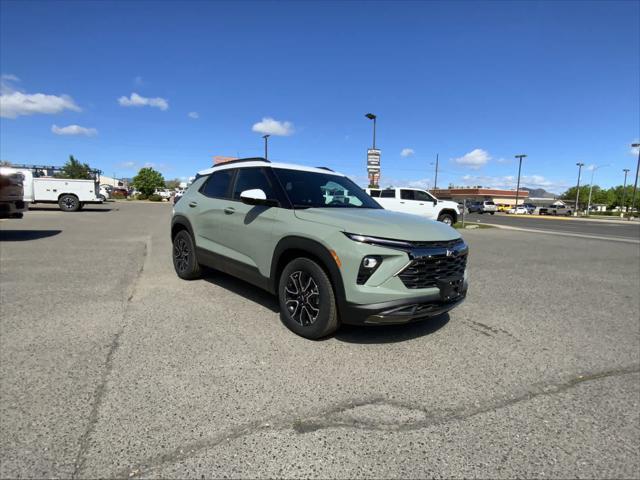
(111, 366)
(611, 229)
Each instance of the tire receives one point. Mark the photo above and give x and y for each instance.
(446, 218)
(69, 203)
(304, 282)
(492, 213)
(102, 197)
(184, 256)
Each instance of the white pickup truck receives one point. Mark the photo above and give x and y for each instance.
(70, 194)
(12, 204)
(417, 202)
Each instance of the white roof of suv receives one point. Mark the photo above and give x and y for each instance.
(263, 163)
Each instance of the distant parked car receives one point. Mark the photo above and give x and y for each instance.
(116, 191)
(503, 207)
(164, 193)
(555, 210)
(530, 207)
(519, 210)
(104, 194)
(483, 207)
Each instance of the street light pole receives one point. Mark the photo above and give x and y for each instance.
(575, 213)
(593, 170)
(435, 182)
(266, 146)
(635, 185)
(624, 191)
(519, 157)
(373, 117)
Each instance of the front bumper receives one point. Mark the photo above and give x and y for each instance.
(399, 311)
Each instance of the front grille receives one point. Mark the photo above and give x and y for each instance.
(439, 244)
(424, 272)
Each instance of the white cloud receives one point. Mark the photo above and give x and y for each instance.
(14, 103)
(407, 152)
(127, 165)
(138, 81)
(74, 130)
(420, 183)
(193, 115)
(135, 100)
(474, 159)
(269, 126)
(149, 165)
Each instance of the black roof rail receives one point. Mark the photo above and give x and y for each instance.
(325, 168)
(238, 160)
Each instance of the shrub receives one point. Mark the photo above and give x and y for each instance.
(118, 195)
(155, 198)
(142, 196)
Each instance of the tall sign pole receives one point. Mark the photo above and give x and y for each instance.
(373, 157)
(435, 180)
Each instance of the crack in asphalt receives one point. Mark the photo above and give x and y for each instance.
(334, 418)
(101, 388)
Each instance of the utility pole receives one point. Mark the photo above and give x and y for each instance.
(266, 146)
(575, 213)
(624, 192)
(635, 185)
(435, 182)
(519, 157)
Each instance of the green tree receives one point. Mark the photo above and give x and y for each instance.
(584, 195)
(74, 169)
(147, 180)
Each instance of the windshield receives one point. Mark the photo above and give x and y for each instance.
(322, 190)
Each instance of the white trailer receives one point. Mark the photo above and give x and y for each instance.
(70, 194)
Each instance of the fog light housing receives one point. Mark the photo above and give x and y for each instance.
(368, 266)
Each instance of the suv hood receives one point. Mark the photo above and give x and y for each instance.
(379, 223)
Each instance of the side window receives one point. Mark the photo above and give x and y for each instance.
(422, 196)
(407, 194)
(375, 193)
(218, 184)
(388, 194)
(251, 178)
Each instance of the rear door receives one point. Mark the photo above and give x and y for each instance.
(208, 205)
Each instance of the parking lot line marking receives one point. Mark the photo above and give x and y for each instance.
(567, 234)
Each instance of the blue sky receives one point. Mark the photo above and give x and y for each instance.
(476, 82)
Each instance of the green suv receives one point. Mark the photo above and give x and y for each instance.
(314, 238)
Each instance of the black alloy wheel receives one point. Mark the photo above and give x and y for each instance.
(69, 203)
(184, 256)
(307, 301)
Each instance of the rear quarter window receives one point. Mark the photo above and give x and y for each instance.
(218, 184)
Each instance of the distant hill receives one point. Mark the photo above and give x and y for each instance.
(539, 193)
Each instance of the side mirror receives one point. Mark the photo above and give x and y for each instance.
(256, 196)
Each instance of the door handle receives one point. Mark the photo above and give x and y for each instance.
(229, 210)
(422, 204)
(402, 203)
(193, 204)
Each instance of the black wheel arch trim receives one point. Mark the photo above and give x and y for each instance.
(317, 250)
(181, 220)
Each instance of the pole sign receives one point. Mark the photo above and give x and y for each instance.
(373, 166)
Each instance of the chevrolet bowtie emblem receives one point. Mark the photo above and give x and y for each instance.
(450, 253)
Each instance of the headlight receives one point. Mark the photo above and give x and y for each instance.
(381, 242)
